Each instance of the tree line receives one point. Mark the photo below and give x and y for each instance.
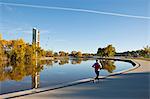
(19, 50)
(145, 52)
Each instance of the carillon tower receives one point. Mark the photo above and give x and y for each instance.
(36, 37)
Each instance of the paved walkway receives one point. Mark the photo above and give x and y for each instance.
(131, 85)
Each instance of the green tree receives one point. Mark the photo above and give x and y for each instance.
(100, 52)
(107, 51)
(146, 52)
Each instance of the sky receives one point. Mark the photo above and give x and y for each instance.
(80, 25)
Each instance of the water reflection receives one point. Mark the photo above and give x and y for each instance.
(108, 65)
(18, 70)
(35, 80)
(28, 74)
(76, 61)
(62, 62)
(36, 76)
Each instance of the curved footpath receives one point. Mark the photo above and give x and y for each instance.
(133, 84)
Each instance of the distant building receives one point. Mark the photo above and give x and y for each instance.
(1, 36)
(36, 37)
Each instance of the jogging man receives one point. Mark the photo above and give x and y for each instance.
(97, 67)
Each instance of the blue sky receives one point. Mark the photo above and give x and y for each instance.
(75, 30)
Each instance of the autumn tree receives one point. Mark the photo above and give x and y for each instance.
(30, 52)
(56, 54)
(41, 52)
(49, 53)
(73, 53)
(18, 51)
(107, 51)
(62, 53)
(108, 65)
(78, 54)
(1, 52)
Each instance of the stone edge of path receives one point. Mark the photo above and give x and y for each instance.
(39, 90)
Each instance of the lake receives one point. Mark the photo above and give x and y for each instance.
(35, 74)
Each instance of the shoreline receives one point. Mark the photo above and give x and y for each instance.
(39, 90)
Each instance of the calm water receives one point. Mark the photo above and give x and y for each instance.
(49, 73)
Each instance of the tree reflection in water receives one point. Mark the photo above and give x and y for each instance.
(108, 65)
(18, 70)
(64, 61)
(76, 61)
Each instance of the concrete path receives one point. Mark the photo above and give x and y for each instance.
(130, 85)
